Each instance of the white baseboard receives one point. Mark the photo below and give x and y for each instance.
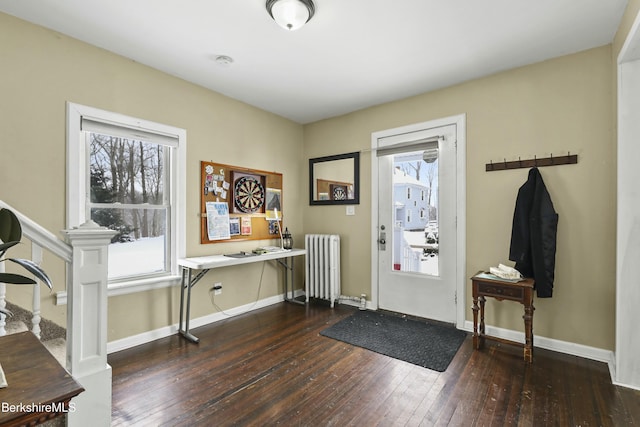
(633, 387)
(573, 349)
(145, 337)
(612, 368)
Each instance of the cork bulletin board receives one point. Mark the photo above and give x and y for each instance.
(236, 203)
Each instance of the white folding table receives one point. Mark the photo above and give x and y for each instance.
(205, 263)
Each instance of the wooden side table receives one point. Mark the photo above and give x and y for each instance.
(521, 292)
(39, 387)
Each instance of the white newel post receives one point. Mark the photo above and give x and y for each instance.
(87, 324)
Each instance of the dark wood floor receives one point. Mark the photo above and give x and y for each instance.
(270, 367)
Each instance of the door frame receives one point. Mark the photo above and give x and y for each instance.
(624, 369)
(460, 279)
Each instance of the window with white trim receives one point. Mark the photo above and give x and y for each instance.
(127, 174)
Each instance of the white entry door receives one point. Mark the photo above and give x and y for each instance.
(417, 223)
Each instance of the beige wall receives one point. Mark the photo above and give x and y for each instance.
(42, 70)
(554, 107)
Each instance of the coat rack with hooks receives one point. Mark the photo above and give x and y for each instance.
(569, 159)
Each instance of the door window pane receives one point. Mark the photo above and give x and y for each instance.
(416, 236)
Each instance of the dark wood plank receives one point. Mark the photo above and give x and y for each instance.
(272, 367)
(39, 388)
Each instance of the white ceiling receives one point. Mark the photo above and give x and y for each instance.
(353, 53)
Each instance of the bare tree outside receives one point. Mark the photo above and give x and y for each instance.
(129, 173)
(431, 175)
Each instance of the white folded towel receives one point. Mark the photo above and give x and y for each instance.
(505, 272)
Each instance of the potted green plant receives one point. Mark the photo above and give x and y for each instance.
(11, 235)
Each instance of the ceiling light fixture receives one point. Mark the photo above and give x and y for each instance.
(291, 14)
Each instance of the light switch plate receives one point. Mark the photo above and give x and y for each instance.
(351, 210)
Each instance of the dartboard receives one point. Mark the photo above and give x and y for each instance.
(248, 194)
(339, 193)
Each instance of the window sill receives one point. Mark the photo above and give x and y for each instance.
(130, 287)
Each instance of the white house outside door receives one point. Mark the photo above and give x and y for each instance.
(416, 259)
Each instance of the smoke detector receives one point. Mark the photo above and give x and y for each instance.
(223, 60)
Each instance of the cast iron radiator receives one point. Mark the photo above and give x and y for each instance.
(322, 276)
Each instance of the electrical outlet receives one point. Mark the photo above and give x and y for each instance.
(217, 288)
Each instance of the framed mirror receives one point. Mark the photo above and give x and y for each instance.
(335, 180)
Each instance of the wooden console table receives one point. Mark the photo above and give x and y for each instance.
(39, 387)
(521, 292)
